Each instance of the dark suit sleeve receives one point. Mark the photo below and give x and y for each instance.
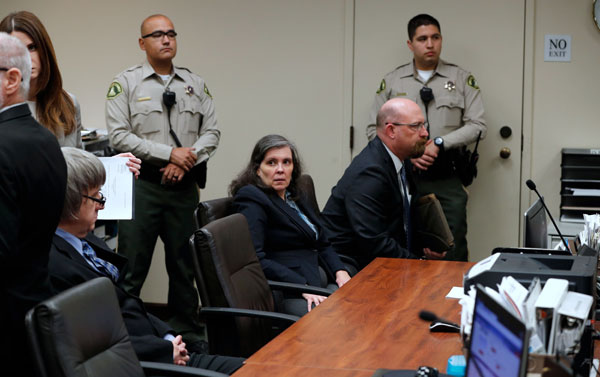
(161, 326)
(326, 251)
(251, 202)
(367, 202)
(66, 273)
(152, 348)
(10, 214)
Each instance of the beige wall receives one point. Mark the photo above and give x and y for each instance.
(286, 67)
(272, 66)
(564, 97)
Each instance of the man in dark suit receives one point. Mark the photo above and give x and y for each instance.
(32, 188)
(368, 212)
(77, 256)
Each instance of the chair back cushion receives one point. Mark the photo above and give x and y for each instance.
(233, 277)
(212, 210)
(307, 186)
(239, 273)
(80, 332)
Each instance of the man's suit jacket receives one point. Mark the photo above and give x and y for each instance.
(33, 178)
(286, 246)
(364, 214)
(68, 268)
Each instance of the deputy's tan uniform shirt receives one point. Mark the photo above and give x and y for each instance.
(456, 112)
(136, 117)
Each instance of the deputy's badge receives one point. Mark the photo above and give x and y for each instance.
(114, 90)
(450, 85)
(472, 82)
(189, 90)
(206, 91)
(381, 86)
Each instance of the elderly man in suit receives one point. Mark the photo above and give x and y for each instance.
(368, 212)
(77, 256)
(32, 189)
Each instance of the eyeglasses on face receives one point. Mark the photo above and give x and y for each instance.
(158, 34)
(101, 200)
(413, 126)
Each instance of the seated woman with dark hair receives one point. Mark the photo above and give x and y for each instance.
(287, 235)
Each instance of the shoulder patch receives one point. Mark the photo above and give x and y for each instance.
(207, 92)
(472, 82)
(114, 90)
(381, 86)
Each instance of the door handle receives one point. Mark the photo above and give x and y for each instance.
(505, 153)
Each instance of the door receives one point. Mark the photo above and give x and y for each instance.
(485, 37)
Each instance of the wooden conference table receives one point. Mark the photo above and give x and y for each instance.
(371, 322)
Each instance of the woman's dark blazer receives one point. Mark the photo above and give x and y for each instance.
(286, 246)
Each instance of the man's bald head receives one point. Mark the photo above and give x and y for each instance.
(401, 127)
(144, 27)
(394, 110)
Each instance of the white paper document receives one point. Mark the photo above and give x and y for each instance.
(456, 292)
(118, 190)
(483, 265)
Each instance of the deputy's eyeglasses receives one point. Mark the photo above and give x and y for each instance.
(101, 200)
(413, 126)
(171, 34)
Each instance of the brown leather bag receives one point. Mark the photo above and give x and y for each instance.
(432, 229)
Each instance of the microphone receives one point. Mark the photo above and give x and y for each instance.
(169, 99)
(438, 324)
(426, 96)
(531, 185)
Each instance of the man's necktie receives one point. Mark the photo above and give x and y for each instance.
(405, 206)
(103, 266)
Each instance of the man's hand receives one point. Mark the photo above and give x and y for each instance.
(180, 354)
(134, 163)
(185, 158)
(172, 174)
(313, 299)
(430, 254)
(341, 277)
(428, 158)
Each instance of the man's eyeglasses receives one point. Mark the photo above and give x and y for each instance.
(413, 126)
(101, 200)
(171, 34)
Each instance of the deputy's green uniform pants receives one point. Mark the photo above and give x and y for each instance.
(168, 213)
(453, 198)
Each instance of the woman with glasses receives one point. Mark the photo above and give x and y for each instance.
(52, 106)
(287, 235)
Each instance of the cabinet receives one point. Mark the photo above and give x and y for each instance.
(579, 183)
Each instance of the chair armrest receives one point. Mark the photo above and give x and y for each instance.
(299, 288)
(349, 261)
(234, 312)
(167, 370)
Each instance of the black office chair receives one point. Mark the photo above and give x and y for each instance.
(211, 210)
(237, 302)
(80, 332)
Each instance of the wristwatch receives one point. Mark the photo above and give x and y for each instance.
(439, 142)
